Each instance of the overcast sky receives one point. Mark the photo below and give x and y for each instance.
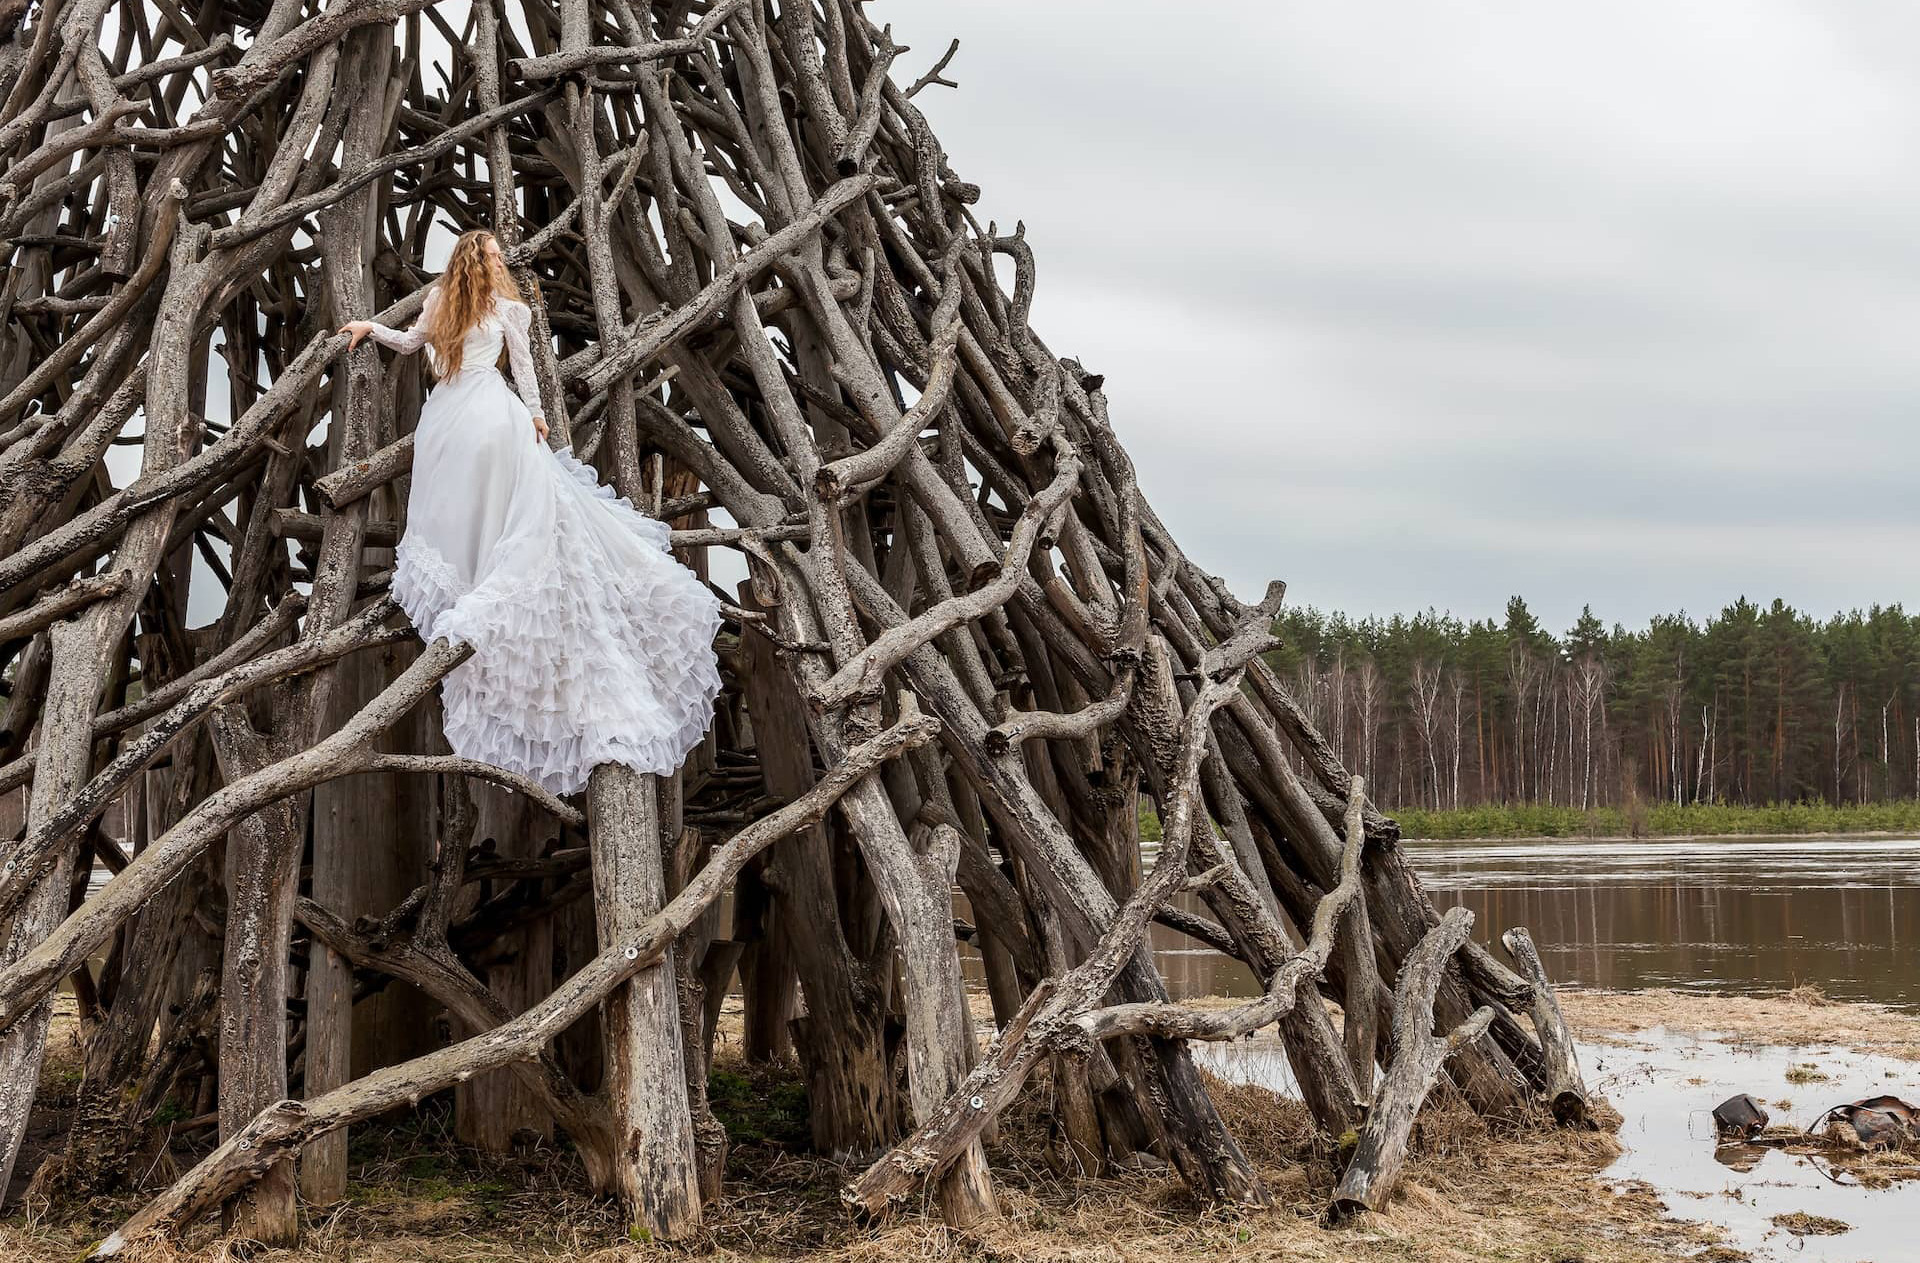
(1430, 303)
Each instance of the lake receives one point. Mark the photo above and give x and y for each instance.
(1743, 915)
(1740, 915)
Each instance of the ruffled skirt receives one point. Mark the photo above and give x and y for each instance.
(591, 643)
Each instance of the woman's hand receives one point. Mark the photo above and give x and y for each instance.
(359, 329)
(540, 428)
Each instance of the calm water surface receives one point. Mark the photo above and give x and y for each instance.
(1729, 914)
(1740, 915)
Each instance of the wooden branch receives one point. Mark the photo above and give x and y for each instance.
(290, 1124)
(840, 480)
(265, 64)
(1566, 1091)
(1412, 1066)
(61, 602)
(572, 61)
(350, 482)
(866, 119)
(309, 527)
(453, 765)
(1081, 724)
(934, 76)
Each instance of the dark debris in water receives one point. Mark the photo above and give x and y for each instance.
(1739, 1117)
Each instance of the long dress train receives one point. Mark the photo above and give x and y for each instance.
(591, 643)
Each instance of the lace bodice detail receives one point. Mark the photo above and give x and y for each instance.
(508, 322)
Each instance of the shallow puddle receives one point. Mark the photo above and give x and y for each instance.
(1665, 1085)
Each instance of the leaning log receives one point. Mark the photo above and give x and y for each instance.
(1413, 1066)
(766, 311)
(1566, 1090)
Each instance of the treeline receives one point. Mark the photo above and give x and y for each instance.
(1756, 705)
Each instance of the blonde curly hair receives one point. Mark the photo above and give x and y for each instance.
(474, 277)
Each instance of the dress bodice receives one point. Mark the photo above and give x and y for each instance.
(507, 323)
(481, 347)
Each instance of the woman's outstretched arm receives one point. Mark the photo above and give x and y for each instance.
(406, 341)
(518, 319)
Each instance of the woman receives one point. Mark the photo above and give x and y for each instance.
(591, 644)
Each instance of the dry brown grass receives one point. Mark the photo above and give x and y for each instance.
(1811, 996)
(1470, 1194)
(1802, 1224)
(1803, 1016)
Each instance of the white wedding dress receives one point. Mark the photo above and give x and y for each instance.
(591, 643)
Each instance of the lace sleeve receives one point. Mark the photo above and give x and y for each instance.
(412, 338)
(518, 318)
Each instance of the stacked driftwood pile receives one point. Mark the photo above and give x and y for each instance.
(966, 651)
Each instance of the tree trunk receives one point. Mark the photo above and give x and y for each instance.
(657, 1176)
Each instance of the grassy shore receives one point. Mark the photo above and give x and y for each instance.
(1640, 820)
(1658, 820)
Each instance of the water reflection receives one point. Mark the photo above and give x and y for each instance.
(1665, 1086)
(1741, 915)
(1746, 915)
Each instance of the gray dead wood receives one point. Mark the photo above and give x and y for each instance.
(1413, 1066)
(656, 1173)
(766, 311)
(1566, 1090)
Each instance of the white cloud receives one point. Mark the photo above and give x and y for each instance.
(1419, 304)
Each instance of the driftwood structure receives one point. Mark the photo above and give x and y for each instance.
(965, 652)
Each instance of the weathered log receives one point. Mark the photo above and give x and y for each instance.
(1566, 1090)
(1413, 1066)
(646, 1083)
(263, 865)
(759, 293)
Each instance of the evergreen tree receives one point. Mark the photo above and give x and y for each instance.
(1757, 705)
